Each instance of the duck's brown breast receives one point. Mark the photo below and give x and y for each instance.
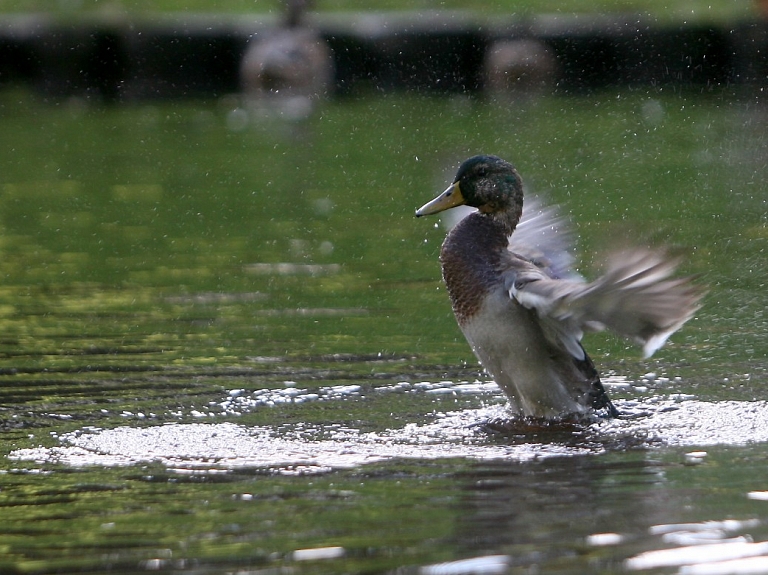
(470, 259)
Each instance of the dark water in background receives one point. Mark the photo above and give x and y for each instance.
(224, 339)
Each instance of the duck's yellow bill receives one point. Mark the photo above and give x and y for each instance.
(450, 198)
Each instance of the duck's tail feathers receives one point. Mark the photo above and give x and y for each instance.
(597, 398)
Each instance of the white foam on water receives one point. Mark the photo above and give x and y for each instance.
(657, 422)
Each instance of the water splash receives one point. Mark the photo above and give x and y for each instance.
(306, 448)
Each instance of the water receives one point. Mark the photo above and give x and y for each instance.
(226, 349)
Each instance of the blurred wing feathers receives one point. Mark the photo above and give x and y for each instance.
(635, 297)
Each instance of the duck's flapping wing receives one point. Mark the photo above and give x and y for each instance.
(545, 237)
(636, 297)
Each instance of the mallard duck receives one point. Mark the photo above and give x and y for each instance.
(518, 68)
(291, 68)
(523, 311)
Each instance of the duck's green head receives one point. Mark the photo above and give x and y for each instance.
(487, 183)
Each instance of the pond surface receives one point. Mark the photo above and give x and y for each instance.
(226, 348)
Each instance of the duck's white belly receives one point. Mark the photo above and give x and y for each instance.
(539, 380)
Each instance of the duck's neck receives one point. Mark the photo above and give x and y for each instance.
(506, 219)
(485, 233)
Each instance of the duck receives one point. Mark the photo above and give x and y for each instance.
(524, 310)
(291, 69)
(519, 68)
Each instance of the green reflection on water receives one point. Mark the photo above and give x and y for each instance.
(243, 519)
(141, 253)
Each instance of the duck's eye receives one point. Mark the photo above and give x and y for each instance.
(482, 171)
